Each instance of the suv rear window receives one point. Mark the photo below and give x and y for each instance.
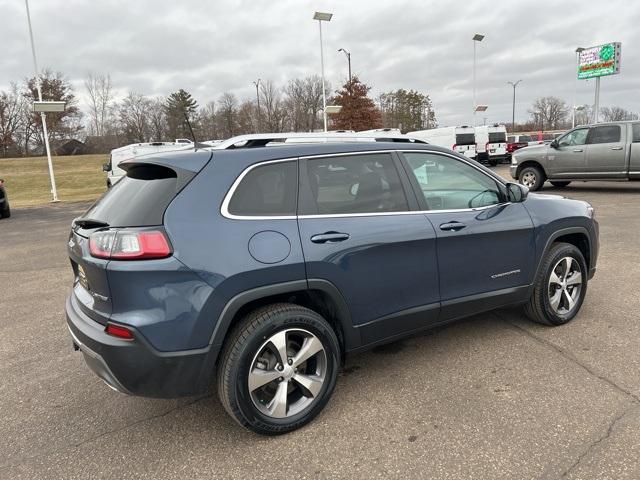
(465, 139)
(138, 200)
(604, 134)
(267, 190)
(497, 137)
(356, 184)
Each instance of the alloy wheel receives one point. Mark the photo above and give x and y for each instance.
(565, 285)
(529, 179)
(288, 373)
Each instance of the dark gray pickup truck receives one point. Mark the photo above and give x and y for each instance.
(604, 151)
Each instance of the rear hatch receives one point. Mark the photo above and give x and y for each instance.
(497, 143)
(135, 203)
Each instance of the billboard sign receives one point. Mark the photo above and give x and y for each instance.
(599, 61)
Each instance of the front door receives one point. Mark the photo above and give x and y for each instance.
(606, 151)
(485, 244)
(357, 232)
(568, 158)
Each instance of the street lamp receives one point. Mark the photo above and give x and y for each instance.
(348, 54)
(513, 111)
(257, 84)
(42, 110)
(323, 17)
(476, 38)
(575, 87)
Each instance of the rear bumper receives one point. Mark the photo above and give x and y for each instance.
(135, 367)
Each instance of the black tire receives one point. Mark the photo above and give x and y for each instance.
(559, 184)
(6, 212)
(247, 341)
(539, 307)
(493, 162)
(532, 177)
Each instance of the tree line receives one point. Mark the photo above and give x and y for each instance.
(108, 122)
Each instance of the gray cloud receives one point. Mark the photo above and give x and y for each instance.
(156, 47)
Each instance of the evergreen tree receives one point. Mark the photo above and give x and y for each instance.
(176, 106)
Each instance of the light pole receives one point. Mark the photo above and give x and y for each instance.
(54, 190)
(476, 38)
(257, 84)
(513, 111)
(348, 54)
(323, 17)
(575, 87)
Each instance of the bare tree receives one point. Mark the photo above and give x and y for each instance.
(133, 114)
(11, 117)
(617, 114)
(208, 122)
(157, 119)
(227, 112)
(549, 112)
(273, 107)
(313, 100)
(246, 117)
(100, 93)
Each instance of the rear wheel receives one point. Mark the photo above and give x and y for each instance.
(278, 368)
(6, 211)
(532, 177)
(493, 162)
(560, 287)
(560, 184)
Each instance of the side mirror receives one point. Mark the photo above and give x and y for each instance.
(106, 167)
(516, 193)
(554, 144)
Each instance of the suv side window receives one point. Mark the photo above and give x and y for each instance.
(604, 134)
(450, 184)
(636, 132)
(267, 190)
(367, 183)
(575, 137)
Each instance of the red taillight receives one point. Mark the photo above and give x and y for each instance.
(454, 147)
(117, 331)
(127, 245)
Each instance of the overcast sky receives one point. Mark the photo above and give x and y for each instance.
(209, 47)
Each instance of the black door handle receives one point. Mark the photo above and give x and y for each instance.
(330, 237)
(452, 226)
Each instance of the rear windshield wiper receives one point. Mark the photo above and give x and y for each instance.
(89, 223)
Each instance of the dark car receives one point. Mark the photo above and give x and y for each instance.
(262, 267)
(5, 209)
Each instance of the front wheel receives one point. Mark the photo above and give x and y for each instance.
(560, 184)
(560, 287)
(278, 368)
(532, 177)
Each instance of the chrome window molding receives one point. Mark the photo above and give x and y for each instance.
(224, 209)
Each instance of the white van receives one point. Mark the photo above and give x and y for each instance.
(492, 143)
(115, 173)
(459, 139)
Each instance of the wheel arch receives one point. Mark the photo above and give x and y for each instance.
(318, 295)
(530, 163)
(577, 236)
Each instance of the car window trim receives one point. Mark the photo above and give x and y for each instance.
(224, 209)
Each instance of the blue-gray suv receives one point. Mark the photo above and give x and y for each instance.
(262, 267)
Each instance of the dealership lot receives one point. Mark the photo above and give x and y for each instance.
(492, 397)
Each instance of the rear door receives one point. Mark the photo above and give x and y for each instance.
(361, 231)
(484, 243)
(607, 151)
(568, 159)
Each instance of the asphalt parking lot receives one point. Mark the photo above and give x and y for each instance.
(488, 398)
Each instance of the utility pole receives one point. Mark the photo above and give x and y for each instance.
(513, 111)
(476, 38)
(323, 17)
(257, 84)
(596, 107)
